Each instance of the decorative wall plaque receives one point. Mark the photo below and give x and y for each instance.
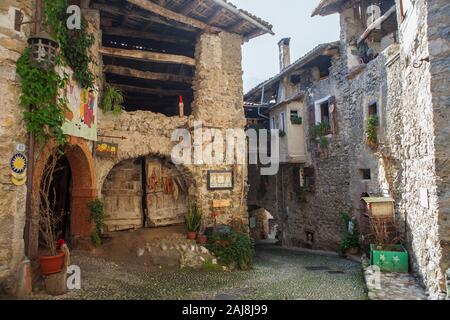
(106, 149)
(220, 180)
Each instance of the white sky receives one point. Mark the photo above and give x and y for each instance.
(290, 18)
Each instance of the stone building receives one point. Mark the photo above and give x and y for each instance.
(157, 53)
(392, 64)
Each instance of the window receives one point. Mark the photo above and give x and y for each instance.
(283, 122)
(366, 174)
(295, 117)
(325, 113)
(373, 109)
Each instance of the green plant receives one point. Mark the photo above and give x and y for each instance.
(282, 133)
(372, 129)
(112, 100)
(233, 249)
(74, 44)
(44, 113)
(97, 216)
(320, 132)
(193, 219)
(350, 238)
(296, 120)
(302, 191)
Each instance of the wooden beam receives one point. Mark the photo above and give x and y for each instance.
(147, 56)
(376, 23)
(215, 16)
(131, 33)
(190, 6)
(171, 15)
(147, 75)
(120, 12)
(142, 90)
(236, 26)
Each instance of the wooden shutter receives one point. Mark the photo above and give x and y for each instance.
(333, 115)
(310, 179)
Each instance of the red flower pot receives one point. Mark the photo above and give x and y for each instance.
(52, 264)
(192, 235)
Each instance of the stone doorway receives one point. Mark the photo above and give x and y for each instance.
(146, 192)
(77, 165)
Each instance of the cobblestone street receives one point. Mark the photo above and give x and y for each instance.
(278, 274)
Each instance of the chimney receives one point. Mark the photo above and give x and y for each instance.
(285, 53)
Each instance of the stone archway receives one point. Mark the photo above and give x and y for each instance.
(83, 189)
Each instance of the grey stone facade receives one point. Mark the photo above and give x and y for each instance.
(411, 158)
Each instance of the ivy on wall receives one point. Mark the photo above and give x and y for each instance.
(45, 109)
(74, 44)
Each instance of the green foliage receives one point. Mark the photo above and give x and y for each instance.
(372, 129)
(97, 216)
(320, 132)
(302, 191)
(282, 133)
(193, 219)
(75, 44)
(209, 266)
(45, 111)
(112, 100)
(350, 239)
(234, 249)
(296, 120)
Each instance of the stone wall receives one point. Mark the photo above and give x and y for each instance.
(217, 103)
(438, 21)
(12, 132)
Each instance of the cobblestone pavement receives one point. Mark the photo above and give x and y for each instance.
(278, 274)
(398, 286)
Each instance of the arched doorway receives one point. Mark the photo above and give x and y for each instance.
(77, 166)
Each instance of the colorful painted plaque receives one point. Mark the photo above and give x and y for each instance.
(106, 149)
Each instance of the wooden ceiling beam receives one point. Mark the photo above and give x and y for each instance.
(147, 56)
(215, 16)
(147, 35)
(172, 15)
(147, 75)
(152, 91)
(190, 6)
(115, 11)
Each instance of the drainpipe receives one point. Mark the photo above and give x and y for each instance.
(28, 207)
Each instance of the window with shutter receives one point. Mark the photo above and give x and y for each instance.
(309, 177)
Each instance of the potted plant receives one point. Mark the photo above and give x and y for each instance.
(350, 240)
(52, 259)
(193, 221)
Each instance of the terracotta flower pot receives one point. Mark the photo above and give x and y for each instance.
(192, 235)
(51, 264)
(202, 239)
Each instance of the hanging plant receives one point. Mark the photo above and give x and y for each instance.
(75, 44)
(45, 111)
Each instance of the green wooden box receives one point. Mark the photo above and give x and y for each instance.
(391, 258)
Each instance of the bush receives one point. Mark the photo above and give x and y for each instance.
(97, 216)
(233, 249)
(350, 240)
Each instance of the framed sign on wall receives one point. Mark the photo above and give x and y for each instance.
(220, 180)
